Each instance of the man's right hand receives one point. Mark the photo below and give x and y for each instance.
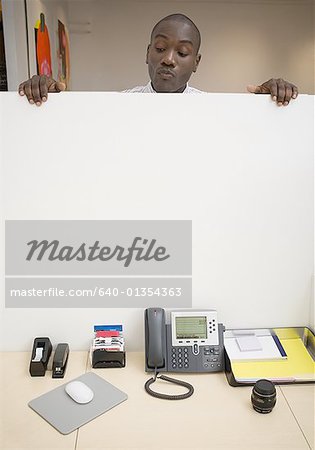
(36, 88)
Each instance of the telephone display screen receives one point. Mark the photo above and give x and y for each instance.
(191, 327)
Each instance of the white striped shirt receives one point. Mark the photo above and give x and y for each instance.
(148, 89)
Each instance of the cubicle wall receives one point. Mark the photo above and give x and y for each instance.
(237, 166)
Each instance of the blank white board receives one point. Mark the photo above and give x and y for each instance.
(238, 166)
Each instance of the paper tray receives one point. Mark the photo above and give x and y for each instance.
(299, 367)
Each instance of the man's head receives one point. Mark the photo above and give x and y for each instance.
(173, 53)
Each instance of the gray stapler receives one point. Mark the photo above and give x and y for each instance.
(60, 360)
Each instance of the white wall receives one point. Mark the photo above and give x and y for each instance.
(243, 42)
(237, 165)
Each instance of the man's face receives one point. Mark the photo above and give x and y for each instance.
(172, 56)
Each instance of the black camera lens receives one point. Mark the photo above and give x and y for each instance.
(264, 396)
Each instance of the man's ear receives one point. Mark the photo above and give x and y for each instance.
(147, 55)
(197, 61)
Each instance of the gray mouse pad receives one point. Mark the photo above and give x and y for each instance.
(63, 413)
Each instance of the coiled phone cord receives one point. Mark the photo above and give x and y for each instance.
(170, 380)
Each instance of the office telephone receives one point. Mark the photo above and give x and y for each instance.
(192, 341)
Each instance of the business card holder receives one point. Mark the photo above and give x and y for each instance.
(102, 358)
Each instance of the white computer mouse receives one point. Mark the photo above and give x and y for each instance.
(79, 392)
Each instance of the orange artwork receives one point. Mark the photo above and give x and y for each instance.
(43, 57)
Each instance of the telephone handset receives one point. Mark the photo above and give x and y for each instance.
(155, 343)
(191, 342)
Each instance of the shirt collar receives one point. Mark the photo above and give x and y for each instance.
(153, 91)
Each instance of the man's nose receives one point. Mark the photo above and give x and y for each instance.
(169, 58)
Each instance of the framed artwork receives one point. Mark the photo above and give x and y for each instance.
(63, 55)
(42, 43)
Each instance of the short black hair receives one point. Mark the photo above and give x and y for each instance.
(180, 18)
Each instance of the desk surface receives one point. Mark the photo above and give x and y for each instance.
(217, 416)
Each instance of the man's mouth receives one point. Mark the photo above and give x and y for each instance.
(166, 74)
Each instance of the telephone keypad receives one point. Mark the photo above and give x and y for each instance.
(183, 358)
(210, 358)
(180, 358)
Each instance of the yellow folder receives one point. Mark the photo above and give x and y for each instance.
(299, 365)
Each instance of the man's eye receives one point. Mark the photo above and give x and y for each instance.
(159, 49)
(182, 54)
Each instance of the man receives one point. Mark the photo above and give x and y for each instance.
(172, 56)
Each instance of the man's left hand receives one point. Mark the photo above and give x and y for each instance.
(280, 90)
